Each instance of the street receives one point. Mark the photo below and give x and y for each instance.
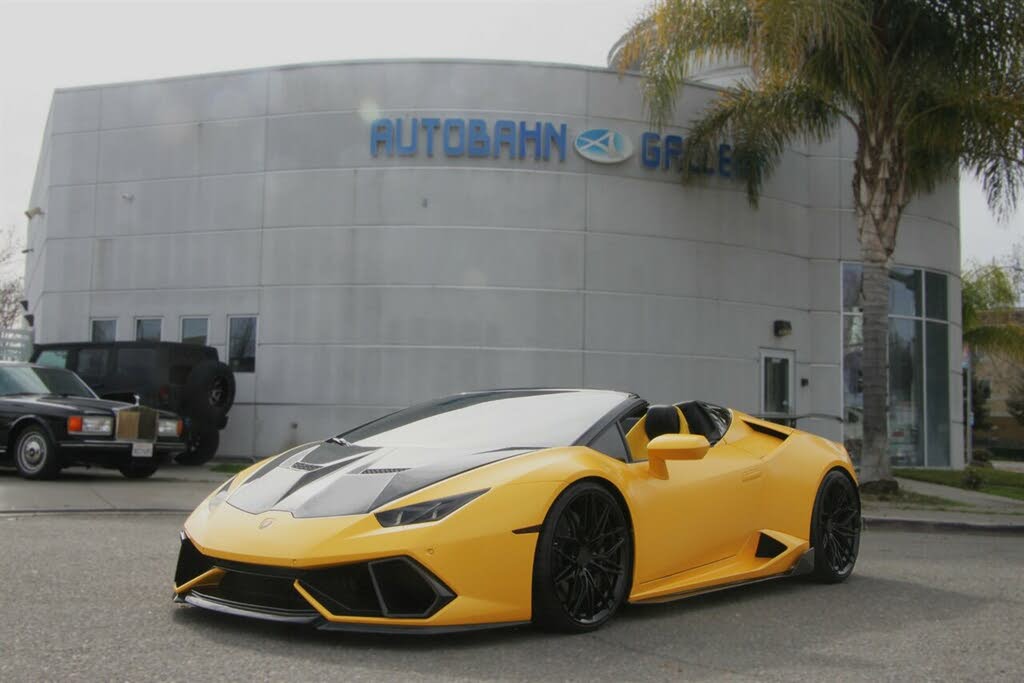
(88, 597)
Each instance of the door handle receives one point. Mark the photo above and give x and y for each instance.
(751, 475)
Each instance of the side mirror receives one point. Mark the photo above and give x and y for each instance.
(674, 447)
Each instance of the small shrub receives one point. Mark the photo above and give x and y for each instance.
(971, 479)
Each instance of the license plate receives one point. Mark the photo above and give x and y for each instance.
(142, 450)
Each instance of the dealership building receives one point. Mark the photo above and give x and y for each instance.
(354, 237)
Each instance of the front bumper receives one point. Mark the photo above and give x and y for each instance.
(114, 453)
(471, 570)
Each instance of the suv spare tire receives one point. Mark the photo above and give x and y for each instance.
(209, 392)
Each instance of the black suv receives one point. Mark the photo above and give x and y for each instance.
(187, 379)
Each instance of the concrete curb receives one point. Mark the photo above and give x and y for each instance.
(940, 526)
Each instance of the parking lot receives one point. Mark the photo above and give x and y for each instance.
(87, 596)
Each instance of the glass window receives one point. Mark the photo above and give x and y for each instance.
(853, 293)
(104, 330)
(938, 419)
(147, 329)
(490, 420)
(906, 393)
(937, 295)
(193, 330)
(776, 383)
(28, 380)
(92, 363)
(242, 344)
(53, 358)
(905, 291)
(853, 396)
(610, 443)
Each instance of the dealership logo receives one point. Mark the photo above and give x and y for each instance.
(603, 146)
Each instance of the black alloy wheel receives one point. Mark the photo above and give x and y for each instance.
(835, 528)
(583, 567)
(200, 446)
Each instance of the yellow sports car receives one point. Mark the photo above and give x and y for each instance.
(503, 507)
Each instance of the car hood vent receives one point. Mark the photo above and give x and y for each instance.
(326, 479)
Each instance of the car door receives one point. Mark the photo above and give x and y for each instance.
(702, 513)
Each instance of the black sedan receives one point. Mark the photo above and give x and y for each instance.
(50, 419)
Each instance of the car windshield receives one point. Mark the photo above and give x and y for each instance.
(491, 421)
(24, 379)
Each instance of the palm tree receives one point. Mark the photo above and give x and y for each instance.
(991, 323)
(927, 86)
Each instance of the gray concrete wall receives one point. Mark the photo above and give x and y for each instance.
(383, 281)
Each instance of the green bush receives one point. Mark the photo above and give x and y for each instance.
(971, 479)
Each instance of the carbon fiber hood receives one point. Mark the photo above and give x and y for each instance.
(329, 479)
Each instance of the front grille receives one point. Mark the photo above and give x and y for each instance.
(391, 587)
(136, 424)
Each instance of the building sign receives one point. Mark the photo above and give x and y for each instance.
(537, 140)
(472, 138)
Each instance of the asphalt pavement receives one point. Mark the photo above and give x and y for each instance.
(88, 597)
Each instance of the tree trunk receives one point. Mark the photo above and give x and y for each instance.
(880, 195)
(874, 459)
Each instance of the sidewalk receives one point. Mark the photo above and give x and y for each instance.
(172, 489)
(973, 511)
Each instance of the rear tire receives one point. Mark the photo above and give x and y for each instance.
(35, 454)
(835, 528)
(200, 447)
(583, 566)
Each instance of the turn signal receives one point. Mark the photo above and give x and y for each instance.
(75, 423)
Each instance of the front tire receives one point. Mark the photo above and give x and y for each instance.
(835, 528)
(35, 454)
(584, 561)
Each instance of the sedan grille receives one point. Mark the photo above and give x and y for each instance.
(136, 424)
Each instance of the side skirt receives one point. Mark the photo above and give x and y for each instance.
(805, 565)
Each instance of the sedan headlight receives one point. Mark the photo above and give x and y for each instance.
(90, 424)
(430, 511)
(168, 427)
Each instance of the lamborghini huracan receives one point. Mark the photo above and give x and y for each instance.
(485, 509)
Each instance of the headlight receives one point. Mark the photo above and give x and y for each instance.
(168, 427)
(430, 511)
(90, 424)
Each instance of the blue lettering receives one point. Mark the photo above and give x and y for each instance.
(457, 126)
(479, 141)
(505, 134)
(650, 152)
(725, 161)
(382, 131)
(431, 126)
(410, 149)
(557, 136)
(526, 134)
(673, 149)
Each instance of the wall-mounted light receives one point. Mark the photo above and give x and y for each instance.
(782, 328)
(33, 212)
(30, 319)
(24, 305)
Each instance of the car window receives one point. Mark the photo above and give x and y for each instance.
(28, 380)
(92, 363)
(137, 362)
(610, 443)
(490, 421)
(54, 358)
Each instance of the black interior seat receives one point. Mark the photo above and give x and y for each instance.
(706, 420)
(661, 420)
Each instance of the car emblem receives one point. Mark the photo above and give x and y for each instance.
(603, 146)
(265, 523)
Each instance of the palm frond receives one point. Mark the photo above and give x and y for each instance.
(1005, 340)
(760, 122)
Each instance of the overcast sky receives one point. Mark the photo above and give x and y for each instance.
(51, 45)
